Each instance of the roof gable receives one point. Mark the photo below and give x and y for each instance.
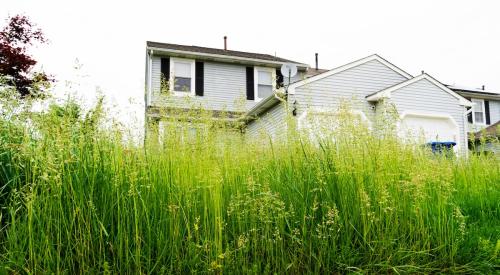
(386, 93)
(346, 67)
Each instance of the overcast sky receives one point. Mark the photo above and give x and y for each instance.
(457, 42)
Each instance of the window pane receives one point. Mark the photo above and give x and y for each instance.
(264, 91)
(182, 69)
(478, 106)
(182, 84)
(478, 117)
(265, 78)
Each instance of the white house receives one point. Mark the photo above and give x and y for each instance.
(241, 84)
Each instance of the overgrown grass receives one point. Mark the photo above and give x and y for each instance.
(77, 199)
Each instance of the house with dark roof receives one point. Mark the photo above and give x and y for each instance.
(246, 87)
(210, 78)
(486, 106)
(483, 118)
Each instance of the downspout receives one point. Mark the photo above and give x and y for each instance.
(150, 74)
(147, 93)
(466, 126)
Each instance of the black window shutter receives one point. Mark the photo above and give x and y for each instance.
(250, 84)
(165, 68)
(279, 78)
(487, 111)
(199, 78)
(469, 115)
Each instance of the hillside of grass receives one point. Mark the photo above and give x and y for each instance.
(77, 196)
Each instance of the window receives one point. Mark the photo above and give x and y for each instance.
(182, 82)
(264, 83)
(478, 115)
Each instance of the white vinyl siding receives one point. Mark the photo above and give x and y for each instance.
(224, 89)
(272, 125)
(299, 76)
(351, 85)
(425, 97)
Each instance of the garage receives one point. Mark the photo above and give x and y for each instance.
(429, 128)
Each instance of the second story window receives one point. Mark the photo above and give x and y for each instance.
(182, 82)
(478, 114)
(264, 83)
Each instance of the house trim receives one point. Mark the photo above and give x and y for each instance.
(300, 83)
(149, 80)
(474, 111)
(490, 96)
(256, 82)
(261, 107)
(386, 93)
(429, 115)
(173, 60)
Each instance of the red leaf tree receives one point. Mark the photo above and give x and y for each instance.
(15, 63)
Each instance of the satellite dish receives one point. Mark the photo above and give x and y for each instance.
(288, 70)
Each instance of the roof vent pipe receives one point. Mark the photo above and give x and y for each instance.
(482, 88)
(225, 43)
(316, 54)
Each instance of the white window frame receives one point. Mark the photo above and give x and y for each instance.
(172, 76)
(256, 81)
(478, 101)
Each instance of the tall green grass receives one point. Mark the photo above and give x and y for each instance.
(77, 198)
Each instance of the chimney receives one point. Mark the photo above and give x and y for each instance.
(482, 88)
(316, 54)
(225, 43)
(423, 72)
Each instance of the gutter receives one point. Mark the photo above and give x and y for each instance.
(466, 128)
(261, 107)
(491, 96)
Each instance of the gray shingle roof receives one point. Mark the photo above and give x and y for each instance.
(229, 53)
(312, 72)
(460, 89)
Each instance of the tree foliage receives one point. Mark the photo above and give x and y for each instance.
(16, 63)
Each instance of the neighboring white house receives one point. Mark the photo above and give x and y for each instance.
(242, 84)
(483, 117)
(486, 109)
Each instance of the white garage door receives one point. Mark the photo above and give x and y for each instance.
(322, 124)
(428, 128)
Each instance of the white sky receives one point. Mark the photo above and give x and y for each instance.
(457, 42)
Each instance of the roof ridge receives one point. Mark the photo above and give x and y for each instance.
(210, 48)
